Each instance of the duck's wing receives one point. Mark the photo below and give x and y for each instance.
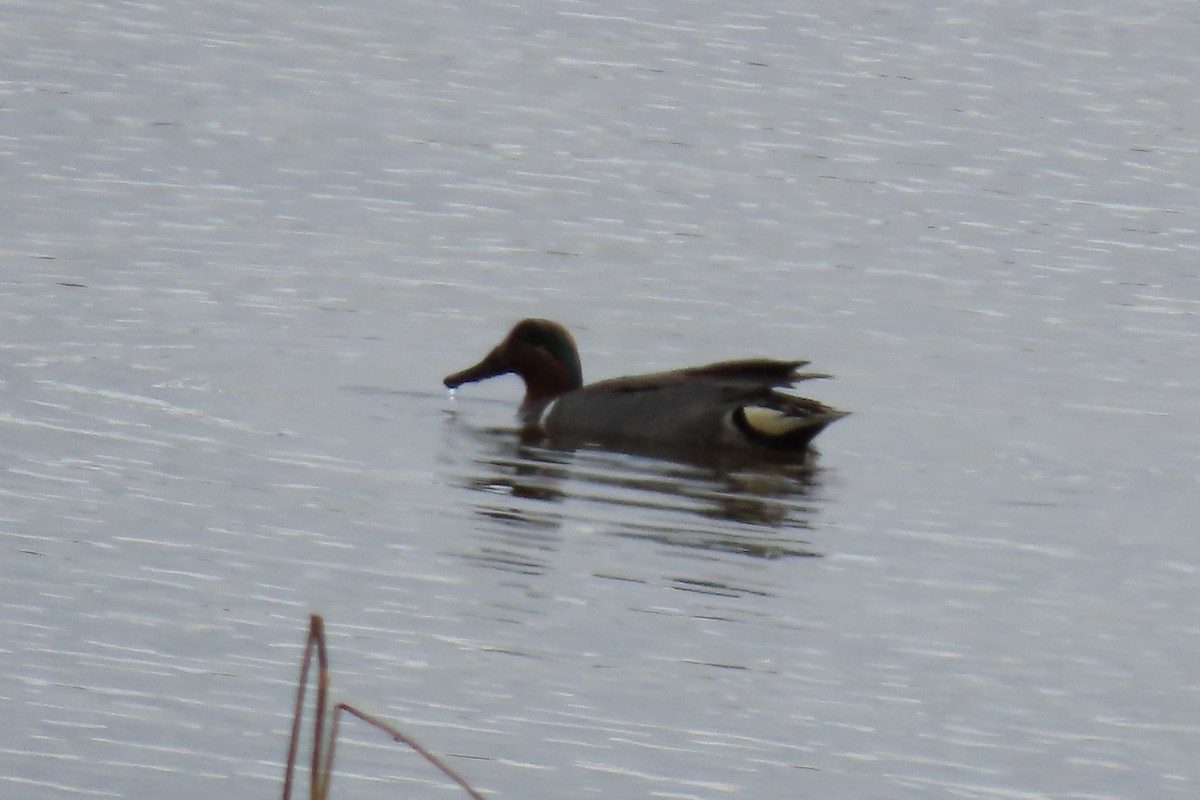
(747, 375)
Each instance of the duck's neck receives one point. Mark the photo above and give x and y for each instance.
(547, 379)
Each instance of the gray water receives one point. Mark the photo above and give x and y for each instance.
(240, 244)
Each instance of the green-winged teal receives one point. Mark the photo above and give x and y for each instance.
(730, 404)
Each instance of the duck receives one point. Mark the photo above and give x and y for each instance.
(727, 405)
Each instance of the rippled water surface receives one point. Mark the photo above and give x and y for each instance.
(241, 243)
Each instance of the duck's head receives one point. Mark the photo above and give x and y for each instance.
(542, 352)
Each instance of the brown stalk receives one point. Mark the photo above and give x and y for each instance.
(325, 745)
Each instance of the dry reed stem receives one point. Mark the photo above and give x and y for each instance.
(325, 744)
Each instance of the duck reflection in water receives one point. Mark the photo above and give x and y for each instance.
(759, 510)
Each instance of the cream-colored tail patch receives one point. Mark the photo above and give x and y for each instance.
(770, 421)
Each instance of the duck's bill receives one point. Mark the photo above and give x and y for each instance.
(490, 367)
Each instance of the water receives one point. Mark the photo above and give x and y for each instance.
(242, 243)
